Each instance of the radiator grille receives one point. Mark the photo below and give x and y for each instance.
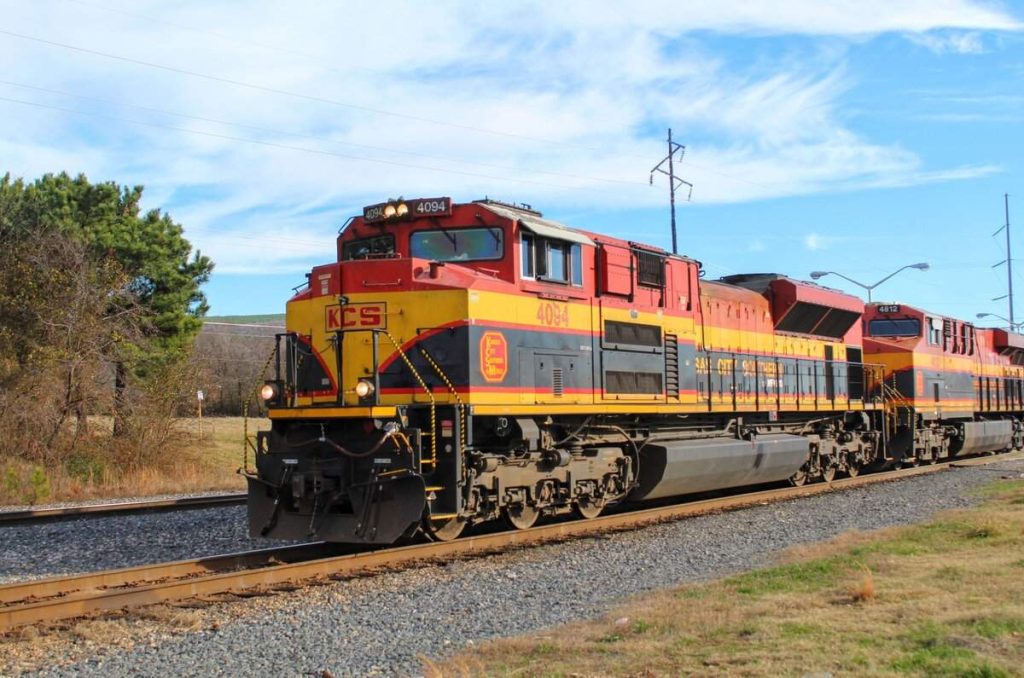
(632, 382)
(616, 332)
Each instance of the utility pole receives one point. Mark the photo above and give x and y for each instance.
(674, 182)
(1008, 261)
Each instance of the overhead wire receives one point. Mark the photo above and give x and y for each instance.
(313, 137)
(304, 149)
(227, 37)
(238, 334)
(223, 324)
(336, 102)
(276, 90)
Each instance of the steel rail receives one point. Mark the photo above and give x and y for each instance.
(93, 598)
(64, 586)
(29, 516)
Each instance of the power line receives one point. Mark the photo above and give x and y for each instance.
(272, 144)
(222, 324)
(233, 334)
(313, 137)
(280, 92)
(219, 36)
(296, 244)
(334, 102)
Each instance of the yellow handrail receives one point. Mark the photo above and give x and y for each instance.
(455, 393)
(433, 404)
(246, 443)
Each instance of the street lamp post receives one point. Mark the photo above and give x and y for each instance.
(923, 266)
(1012, 325)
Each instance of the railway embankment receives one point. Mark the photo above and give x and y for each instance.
(394, 622)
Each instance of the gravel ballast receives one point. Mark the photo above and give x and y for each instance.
(96, 543)
(385, 624)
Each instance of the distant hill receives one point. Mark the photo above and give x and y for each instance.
(276, 319)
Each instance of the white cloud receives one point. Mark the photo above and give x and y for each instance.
(839, 17)
(553, 103)
(815, 242)
(946, 42)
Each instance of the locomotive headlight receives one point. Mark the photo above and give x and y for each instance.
(270, 392)
(390, 211)
(401, 209)
(364, 388)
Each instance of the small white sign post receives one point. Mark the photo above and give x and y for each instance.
(200, 396)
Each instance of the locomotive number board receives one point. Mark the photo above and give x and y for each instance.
(889, 308)
(410, 209)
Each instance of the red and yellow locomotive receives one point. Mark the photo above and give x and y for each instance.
(464, 362)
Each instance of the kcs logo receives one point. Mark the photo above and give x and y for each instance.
(358, 316)
(493, 357)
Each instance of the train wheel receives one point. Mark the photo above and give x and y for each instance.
(521, 517)
(588, 508)
(853, 469)
(828, 473)
(444, 530)
(798, 479)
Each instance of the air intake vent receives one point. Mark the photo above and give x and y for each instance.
(556, 381)
(647, 383)
(631, 333)
(671, 365)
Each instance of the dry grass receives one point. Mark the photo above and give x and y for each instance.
(204, 460)
(41, 647)
(943, 598)
(864, 591)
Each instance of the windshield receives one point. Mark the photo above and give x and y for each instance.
(463, 244)
(367, 248)
(895, 327)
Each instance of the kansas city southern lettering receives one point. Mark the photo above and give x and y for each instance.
(357, 316)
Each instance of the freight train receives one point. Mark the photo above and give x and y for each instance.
(461, 363)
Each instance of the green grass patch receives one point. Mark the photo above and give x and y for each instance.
(947, 660)
(995, 627)
(798, 629)
(793, 577)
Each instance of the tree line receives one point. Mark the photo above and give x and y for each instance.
(100, 305)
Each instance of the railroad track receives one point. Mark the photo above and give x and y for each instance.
(58, 598)
(33, 516)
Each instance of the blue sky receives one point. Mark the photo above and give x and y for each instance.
(847, 136)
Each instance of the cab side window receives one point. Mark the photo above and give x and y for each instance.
(934, 331)
(551, 260)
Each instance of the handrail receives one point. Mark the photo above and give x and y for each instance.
(454, 392)
(423, 384)
(246, 442)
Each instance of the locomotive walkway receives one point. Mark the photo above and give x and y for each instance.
(59, 598)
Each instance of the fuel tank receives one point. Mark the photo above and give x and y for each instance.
(984, 436)
(672, 468)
